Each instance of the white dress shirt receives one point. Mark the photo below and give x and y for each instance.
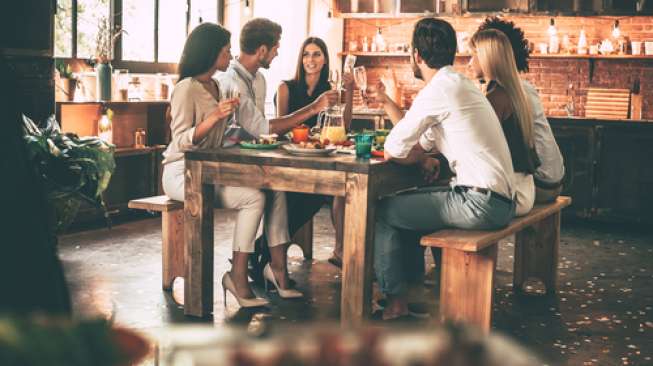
(251, 112)
(453, 116)
(552, 169)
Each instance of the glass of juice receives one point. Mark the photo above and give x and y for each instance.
(364, 145)
(300, 134)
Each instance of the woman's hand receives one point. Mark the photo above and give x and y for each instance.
(376, 94)
(326, 100)
(225, 108)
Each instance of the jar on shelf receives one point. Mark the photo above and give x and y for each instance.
(135, 92)
(140, 138)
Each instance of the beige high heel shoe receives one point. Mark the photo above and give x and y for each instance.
(228, 285)
(289, 293)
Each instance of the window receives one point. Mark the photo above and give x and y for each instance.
(90, 13)
(155, 30)
(138, 22)
(172, 29)
(63, 40)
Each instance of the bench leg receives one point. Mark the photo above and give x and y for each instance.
(467, 286)
(172, 227)
(304, 238)
(536, 254)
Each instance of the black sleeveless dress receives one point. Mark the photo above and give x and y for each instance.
(298, 97)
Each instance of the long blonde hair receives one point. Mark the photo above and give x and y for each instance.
(497, 61)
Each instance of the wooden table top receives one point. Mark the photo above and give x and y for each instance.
(278, 157)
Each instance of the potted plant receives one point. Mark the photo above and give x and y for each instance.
(104, 46)
(74, 169)
(67, 82)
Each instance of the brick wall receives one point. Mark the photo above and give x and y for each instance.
(552, 77)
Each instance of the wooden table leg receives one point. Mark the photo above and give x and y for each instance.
(536, 254)
(198, 238)
(467, 286)
(356, 295)
(173, 249)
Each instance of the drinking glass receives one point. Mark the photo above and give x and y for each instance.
(364, 145)
(335, 82)
(360, 77)
(232, 92)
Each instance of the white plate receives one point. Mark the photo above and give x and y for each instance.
(295, 150)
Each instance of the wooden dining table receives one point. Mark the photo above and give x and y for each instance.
(360, 181)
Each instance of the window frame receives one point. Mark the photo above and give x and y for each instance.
(115, 14)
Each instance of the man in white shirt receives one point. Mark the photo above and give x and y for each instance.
(452, 116)
(259, 45)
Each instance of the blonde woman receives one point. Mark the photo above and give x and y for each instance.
(493, 61)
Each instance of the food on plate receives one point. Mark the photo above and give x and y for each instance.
(311, 144)
(265, 139)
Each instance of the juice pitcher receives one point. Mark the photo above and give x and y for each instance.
(333, 126)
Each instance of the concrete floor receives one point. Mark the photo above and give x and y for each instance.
(603, 314)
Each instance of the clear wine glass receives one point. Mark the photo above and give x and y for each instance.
(336, 83)
(232, 92)
(360, 77)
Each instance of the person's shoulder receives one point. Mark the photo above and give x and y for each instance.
(528, 87)
(184, 87)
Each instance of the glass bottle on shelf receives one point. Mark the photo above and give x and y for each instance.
(135, 92)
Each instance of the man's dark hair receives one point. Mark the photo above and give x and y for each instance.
(201, 49)
(259, 32)
(516, 37)
(435, 42)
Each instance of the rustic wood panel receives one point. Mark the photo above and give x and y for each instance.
(467, 286)
(278, 157)
(198, 234)
(476, 240)
(275, 177)
(356, 296)
(536, 254)
(173, 249)
(157, 203)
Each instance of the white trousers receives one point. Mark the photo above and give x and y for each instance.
(252, 205)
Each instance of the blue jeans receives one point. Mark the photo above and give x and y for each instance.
(426, 210)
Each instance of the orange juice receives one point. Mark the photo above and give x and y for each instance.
(335, 134)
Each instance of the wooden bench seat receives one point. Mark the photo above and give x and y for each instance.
(469, 261)
(172, 235)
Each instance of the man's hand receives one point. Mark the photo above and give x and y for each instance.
(327, 99)
(430, 169)
(376, 94)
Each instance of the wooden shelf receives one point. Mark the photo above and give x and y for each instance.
(532, 56)
(130, 151)
(114, 102)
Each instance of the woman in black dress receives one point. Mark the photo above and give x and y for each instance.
(310, 81)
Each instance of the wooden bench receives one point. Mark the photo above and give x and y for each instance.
(172, 235)
(469, 260)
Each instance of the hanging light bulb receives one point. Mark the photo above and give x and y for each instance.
(248, 10)
(554, 43)
(552, 28)
(616, 32)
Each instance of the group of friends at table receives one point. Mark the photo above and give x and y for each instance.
(495, 138)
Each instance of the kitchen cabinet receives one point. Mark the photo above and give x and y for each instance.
(608, 168)
(501, 5)
(595, 6)
(577, 145)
